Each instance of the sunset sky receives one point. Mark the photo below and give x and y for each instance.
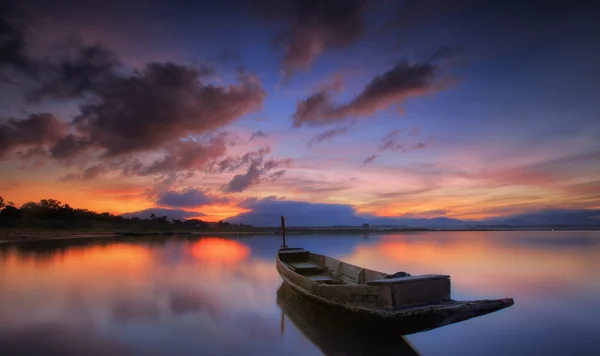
(465, 109)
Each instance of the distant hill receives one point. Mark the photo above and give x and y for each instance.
(305, 219)
(267, 213)
(169, 213)
(548, 217)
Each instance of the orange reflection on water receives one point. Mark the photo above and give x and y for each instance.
(214, 249)
(487, 264)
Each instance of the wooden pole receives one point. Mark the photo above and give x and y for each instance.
(283, 231)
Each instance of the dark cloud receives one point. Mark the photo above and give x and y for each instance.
(392, 87)
(230, 163)
(327, 135)
(370, 159)
(88, 173)
(79, 70)
(391, 143)
(69, 147)
(313, 26)
(257, 172)
(12, 40)
(189, 197)
(258, 134)
(163, 103)
(164, 107)
(38, 130)
(187, 156)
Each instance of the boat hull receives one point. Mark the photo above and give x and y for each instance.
(403, 320)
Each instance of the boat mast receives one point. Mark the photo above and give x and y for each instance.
(283, 231)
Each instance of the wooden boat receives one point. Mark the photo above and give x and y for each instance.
(334, 336)
(406, 303)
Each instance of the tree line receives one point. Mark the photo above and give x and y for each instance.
(51, 213)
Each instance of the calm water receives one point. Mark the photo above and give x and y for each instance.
(217, 296)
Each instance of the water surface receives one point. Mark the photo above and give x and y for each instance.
(219, 296)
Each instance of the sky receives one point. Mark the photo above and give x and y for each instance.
(417, 109)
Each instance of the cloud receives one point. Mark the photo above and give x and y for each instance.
(37, 130)
(164, 107)
(392, 87)
(89, 173)
(318, 187)
(189, 197)
(426, 213)
(12, 41)
(547, 173)
(162, 103)
(257, 134)
(391, 143)
(313, 26)
(255, 174)
(69, 147)
(187, 156)
(370, 159)
(231, 163)
(80, 70)
(327, 135)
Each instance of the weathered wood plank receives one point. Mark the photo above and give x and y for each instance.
(410, 279)
(303, 265)
(291, 251)
(319, 277)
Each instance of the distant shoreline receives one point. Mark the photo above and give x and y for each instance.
(31, 235)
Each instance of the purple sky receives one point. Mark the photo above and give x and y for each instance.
(466, 109)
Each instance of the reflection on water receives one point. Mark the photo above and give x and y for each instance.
(216, 296)
(333, 336)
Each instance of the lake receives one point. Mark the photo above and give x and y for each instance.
(221, 296)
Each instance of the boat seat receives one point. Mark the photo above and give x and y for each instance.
(294, 254)
(398, 280)
(320, 278)
(303, 266)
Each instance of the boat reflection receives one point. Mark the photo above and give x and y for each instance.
(335, 336)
